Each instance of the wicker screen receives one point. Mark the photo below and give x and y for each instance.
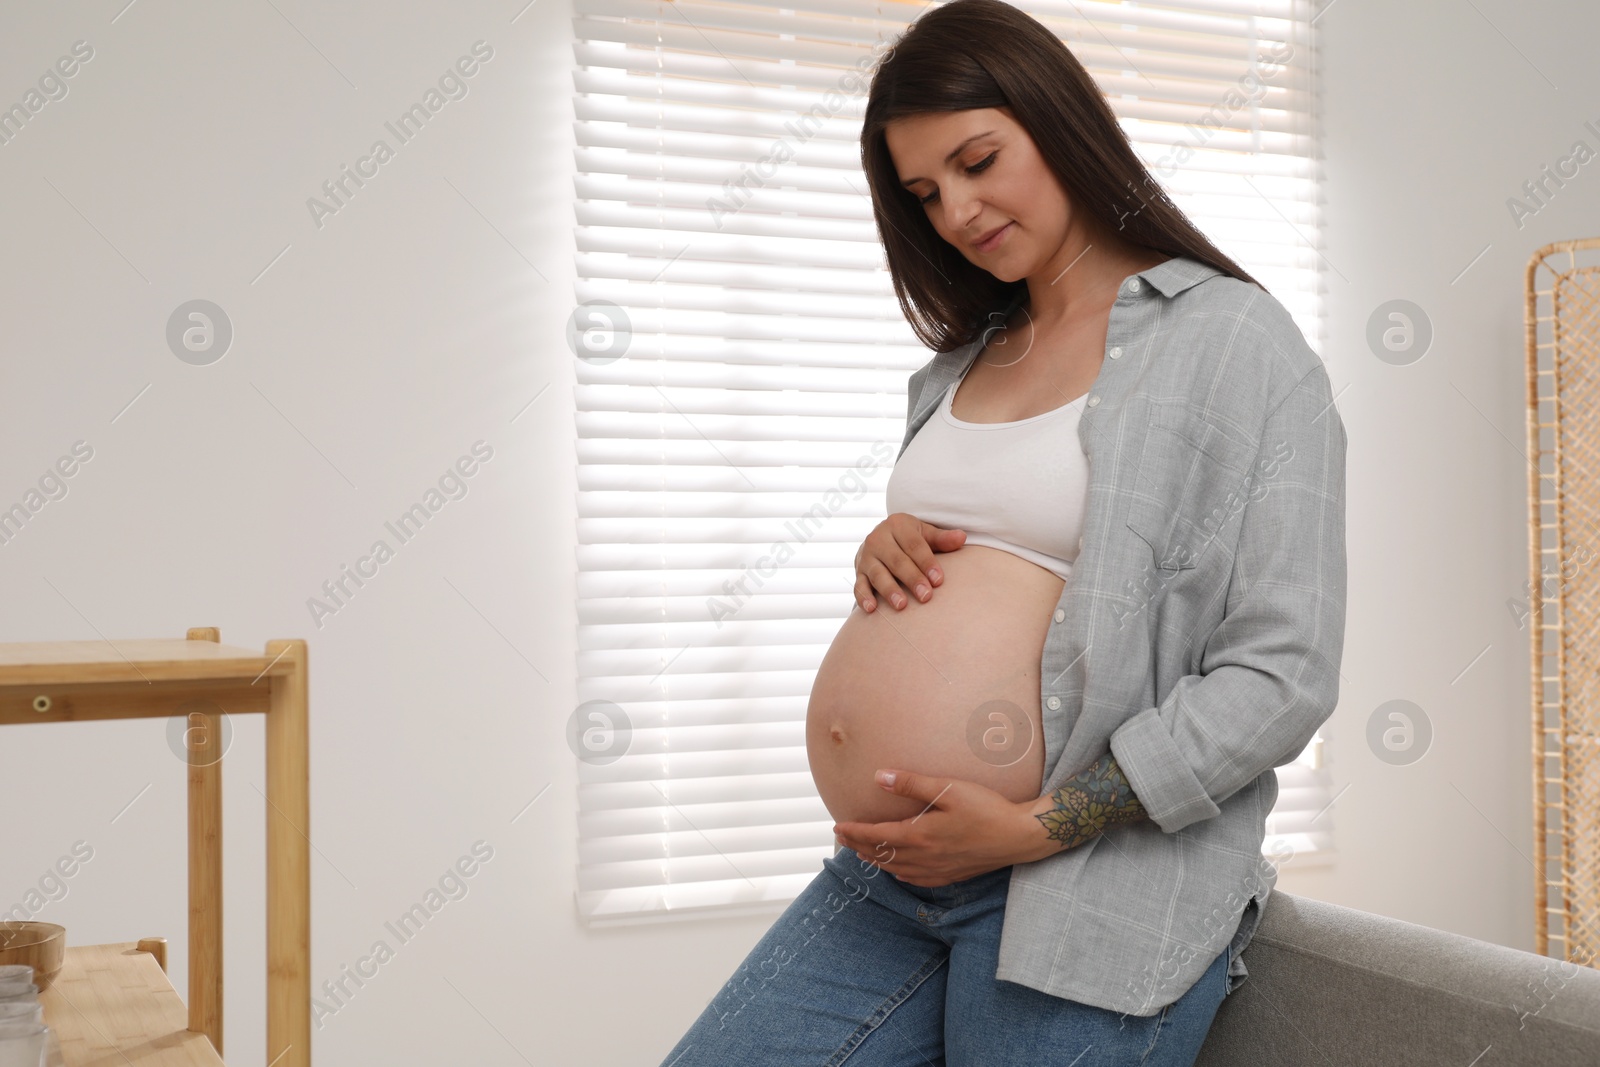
(1563, 601)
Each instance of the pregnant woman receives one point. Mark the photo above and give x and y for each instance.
(1108, 600)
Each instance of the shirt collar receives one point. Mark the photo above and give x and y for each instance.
(1169, 278)
(1177, 274)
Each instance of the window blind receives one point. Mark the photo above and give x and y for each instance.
(740, 391)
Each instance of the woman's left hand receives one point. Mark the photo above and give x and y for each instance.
(966, 830)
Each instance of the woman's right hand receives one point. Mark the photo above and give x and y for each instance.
(900, 550)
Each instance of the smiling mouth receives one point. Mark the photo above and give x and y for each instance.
(988, 243)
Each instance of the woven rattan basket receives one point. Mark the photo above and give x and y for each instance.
(1563, 593)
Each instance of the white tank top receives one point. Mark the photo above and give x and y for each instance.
(1017, 486)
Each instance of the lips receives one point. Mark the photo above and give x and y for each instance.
(988, 241)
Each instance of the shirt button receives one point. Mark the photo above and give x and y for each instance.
(1093, 400)
(1133, 286)
(1080, 544)
(1053, 703)
(1116, 353)
(1060, 615)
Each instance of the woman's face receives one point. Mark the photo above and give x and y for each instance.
(984, 187)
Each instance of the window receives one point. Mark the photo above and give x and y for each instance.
(741, 391)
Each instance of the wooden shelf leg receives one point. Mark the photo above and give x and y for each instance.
(203, 748)
(288, 862)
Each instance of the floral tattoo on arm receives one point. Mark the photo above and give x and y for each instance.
(1091, 802)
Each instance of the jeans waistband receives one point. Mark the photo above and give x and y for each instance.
(945, 896)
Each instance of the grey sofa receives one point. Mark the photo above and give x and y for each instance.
(1334, 987)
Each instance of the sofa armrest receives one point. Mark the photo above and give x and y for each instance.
(1330, 985)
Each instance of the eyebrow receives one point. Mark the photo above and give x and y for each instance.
(956, 151)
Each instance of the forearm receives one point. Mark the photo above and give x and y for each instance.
(1089, 803)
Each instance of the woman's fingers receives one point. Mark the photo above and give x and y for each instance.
(884, 582)
(940, 539)
(907, 574)
(898, 556)
(919, 570)
(863, 591)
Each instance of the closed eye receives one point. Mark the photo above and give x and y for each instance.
(977, 168)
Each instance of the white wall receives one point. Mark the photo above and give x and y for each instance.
(429, 310)
(1435, 117)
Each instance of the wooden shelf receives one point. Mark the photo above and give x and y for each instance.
(112, 1005)
(136, 660)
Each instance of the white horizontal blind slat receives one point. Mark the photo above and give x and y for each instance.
(761, 398)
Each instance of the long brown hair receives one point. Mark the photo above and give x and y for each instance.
(988, 54)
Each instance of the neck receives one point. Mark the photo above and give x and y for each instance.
(1084, 276)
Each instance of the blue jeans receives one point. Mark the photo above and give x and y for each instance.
(866, 969)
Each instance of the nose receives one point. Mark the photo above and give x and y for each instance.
(961, 213)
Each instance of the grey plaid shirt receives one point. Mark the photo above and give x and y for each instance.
(1198, 637)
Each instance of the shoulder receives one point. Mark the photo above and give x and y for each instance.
(914, 386)
(1247, 336)
(943, 363)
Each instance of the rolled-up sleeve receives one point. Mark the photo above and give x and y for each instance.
(1269, 672)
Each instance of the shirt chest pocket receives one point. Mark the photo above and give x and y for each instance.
(1190, 480)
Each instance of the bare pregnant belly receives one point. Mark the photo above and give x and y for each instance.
(947, 688)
